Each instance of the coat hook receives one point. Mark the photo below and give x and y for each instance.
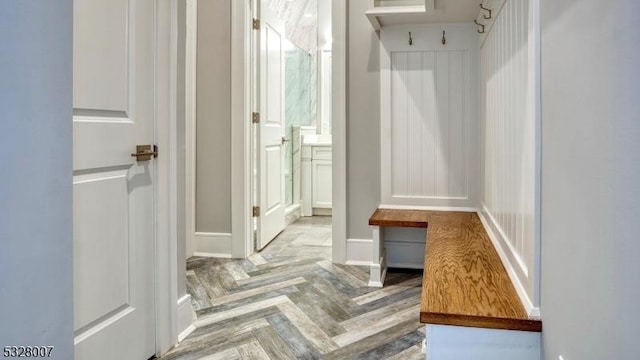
(477, 23)
(486, 9)
(444, 39)
(410, 39)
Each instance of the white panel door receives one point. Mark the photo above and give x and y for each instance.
(272, 129)
(113, 55)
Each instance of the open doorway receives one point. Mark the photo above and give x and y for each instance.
(292, 143)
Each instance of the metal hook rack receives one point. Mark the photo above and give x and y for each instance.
(486, 9)
(479, 24)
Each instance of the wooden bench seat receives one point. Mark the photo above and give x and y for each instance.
(400, 218)
(464, 282)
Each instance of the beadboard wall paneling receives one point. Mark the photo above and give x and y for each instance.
(428, 119)
(508, 130)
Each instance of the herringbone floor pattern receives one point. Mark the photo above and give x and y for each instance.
(291, 302)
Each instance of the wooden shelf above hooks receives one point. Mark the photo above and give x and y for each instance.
(375, 14)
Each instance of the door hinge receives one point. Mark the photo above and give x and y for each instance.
(256, 24)
(255, 117)
(256, 211)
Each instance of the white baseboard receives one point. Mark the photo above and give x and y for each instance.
(185, 317)
(292, 213)
(378, 274)
(322, 212)
(359, 252)
(358, 263)
(213, 245)
(291, 208)
(514, 270)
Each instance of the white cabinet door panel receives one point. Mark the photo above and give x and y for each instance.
(321, 177)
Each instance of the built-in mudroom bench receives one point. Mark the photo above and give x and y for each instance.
(468, 302)
(404, 248)
(460, 171)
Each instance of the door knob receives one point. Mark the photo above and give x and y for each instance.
(284, 140)
(145, 152)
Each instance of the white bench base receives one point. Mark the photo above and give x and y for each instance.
(446, 342)
(378, 268)
(396, 247)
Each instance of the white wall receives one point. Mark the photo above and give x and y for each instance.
(590, 179)
(36, 288)
(508, 118)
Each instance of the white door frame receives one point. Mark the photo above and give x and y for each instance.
(190, 124)
(166, 196)
(242, 63)
(339, 129)
(241, 108)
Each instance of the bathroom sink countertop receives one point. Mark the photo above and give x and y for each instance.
(316, 140)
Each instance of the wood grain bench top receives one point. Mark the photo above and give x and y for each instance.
(401, 218)
(464, 282)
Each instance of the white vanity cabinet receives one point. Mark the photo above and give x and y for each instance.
(316, 178)
(321, 177)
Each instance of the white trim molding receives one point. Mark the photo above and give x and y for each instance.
(536, 35)
(292, 213)
(191, 57)
(185, 317)
(241, 204)
(431, 208)
(359, 252)
(495, 231)
(217, 245)
(166, 197)
(378, 267)
(509, 257)
(339, 129)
